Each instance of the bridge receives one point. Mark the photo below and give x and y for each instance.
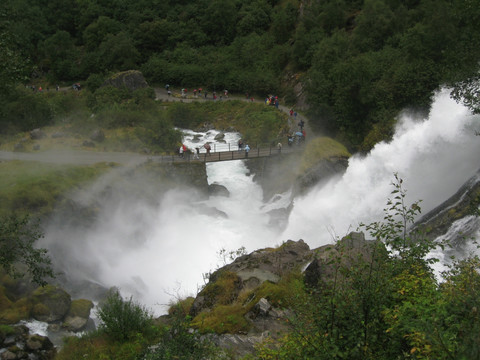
(228, 152)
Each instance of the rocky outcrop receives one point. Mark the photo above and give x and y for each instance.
(132, 80)
(319, 173)
(243, 278)
(18, 343)
(462, 205)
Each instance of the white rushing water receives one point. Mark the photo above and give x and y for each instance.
(159, 252)
(434, 157)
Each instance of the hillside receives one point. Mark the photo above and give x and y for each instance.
(352, 64)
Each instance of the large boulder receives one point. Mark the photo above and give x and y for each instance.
(218, 190)
(78, 315)
(132, 80)
(249, 272)
(37, 134)
(50, 303)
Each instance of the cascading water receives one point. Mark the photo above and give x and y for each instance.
(158, 251)
(433, 156)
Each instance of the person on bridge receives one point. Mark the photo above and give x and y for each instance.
(208, 148)
(279, 147)
(247, 149)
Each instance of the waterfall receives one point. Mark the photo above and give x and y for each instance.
(159, 251)
(434, 156)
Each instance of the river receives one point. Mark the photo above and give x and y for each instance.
(160, 252)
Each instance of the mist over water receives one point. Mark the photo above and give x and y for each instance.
(156, 249)
(433, 156)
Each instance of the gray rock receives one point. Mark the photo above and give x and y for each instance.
(219, 136)
(37, 134)
(262, 307)
(218, 190)
(132, 80)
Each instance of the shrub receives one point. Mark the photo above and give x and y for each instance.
(178, 342)
(122, 319)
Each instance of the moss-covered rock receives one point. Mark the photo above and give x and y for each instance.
(50, 303)
(131, 79)
(78, 315)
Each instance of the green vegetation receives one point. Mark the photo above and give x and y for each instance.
(360, 62)
(384, 302)
(17, 246)
(319, 149)
(128, 332)
(35, 188)
(123, 319)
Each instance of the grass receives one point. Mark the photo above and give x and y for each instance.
(321, 148)
(34, 188)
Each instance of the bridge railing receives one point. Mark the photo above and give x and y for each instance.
(225, 152)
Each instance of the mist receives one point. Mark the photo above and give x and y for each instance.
(434, 156)
(157, 247)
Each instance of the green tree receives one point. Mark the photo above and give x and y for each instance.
(18, 251)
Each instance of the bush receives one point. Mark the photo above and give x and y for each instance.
(123, 319)
(25, 111)
(178, 342)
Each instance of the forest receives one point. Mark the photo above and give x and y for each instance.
(358, 62)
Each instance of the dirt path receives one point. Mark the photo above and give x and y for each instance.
(75, 157)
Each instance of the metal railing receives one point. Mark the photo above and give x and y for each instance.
(226, 152)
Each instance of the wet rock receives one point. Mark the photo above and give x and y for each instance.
(218, 190)
(219, 136)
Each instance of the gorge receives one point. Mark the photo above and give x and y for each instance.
(157, 246)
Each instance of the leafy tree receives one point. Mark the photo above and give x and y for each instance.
(253, 17)
(95, 33)
(118, 52)
(17, 250)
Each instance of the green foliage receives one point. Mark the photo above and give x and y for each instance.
(123, 319)
(94, 81)
(97, 345)
(34, 188)
(383, 302)
(178, 342)
(25, 110)
(17, 246)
